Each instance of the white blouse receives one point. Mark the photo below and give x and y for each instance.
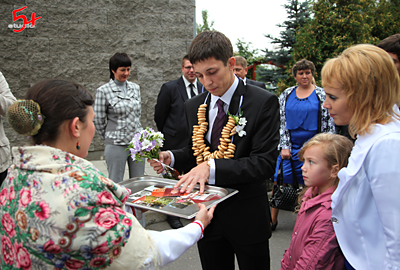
(366, 204)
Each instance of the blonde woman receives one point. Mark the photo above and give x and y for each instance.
(362, 87)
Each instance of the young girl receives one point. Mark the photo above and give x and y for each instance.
(314, 244)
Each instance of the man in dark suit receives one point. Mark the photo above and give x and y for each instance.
(230, 233)
(169, 113)
(240, 71)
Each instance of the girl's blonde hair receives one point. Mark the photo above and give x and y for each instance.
(336, 149)
(370, 81)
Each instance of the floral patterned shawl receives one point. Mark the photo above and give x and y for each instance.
(58, 211)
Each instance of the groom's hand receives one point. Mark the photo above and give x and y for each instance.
(198, 174)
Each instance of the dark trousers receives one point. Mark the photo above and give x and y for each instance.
(217, 252)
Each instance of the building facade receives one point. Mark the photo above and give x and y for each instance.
(74, 39)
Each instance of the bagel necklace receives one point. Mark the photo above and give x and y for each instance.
(226, 148)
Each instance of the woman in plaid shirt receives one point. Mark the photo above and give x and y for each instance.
(117, 110)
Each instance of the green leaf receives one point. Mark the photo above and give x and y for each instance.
(81, 212)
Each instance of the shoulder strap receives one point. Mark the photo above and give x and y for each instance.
(279, 178)
(295, 181)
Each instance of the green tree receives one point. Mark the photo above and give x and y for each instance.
(335, 26)
(245, 50)
(298, 16)
(387, 21)
(206, 25)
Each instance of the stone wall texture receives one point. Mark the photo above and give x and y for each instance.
(75, 39)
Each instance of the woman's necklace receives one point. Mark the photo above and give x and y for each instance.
(226, 148)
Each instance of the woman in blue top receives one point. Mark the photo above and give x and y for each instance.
(302, 116)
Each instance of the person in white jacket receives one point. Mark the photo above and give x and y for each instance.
(6, 99)
(362, 88)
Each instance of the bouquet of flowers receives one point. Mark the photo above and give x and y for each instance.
(146, 144)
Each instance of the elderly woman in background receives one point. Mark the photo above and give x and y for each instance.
(362, 87)
(302, 116)
(57, 210)
(6, 99)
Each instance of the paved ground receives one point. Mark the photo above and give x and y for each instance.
(279, 241)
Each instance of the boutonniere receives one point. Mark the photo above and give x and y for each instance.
(240, 123)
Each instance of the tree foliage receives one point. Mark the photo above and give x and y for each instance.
(387, 20)
(337, 25)
(206, 26)
(245, 50)
(298, 16)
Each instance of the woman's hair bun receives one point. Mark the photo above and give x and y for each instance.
(24, 117)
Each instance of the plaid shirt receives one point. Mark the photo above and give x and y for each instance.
(117, 116)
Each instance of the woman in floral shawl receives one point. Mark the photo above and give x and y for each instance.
(57, 210)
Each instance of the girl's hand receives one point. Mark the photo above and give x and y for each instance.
(285, 154)
(205, 215)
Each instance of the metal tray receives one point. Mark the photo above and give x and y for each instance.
(137, 184)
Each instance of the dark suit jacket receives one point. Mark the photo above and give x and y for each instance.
(259, 84)
(253, 163)
(169, 113)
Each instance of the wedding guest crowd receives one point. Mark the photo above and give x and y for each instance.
(58, 211)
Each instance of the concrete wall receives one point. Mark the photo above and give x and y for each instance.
(74, 40)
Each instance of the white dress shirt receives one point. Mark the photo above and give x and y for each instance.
(187, 84)
(212, 114)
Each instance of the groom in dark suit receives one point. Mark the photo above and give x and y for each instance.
(169, 113)
(231, 232)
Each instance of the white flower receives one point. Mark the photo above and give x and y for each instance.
(158, 134)
(242, 121)
(241, 133)
(239, 128)
(146, 143)
(160, 142)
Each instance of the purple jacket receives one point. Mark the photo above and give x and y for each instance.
(313, 244)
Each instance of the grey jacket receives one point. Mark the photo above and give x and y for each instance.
(6, 99)
(117, 115)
